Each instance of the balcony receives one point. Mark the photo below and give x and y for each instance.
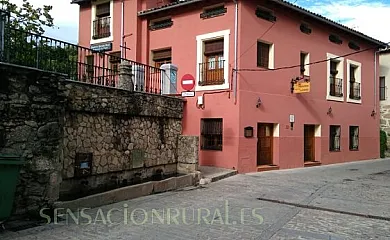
(211, 73)
(354, 91)
(336, 87)
(101, 28)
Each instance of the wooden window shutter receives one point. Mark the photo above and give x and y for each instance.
(262, 54)
(103, 10)
(162, 54)
(212, 47)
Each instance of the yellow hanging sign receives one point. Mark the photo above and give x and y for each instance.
(302, 87)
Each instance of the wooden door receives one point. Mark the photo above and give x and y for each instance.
(264, 143)
(309, 143)
(214, 69)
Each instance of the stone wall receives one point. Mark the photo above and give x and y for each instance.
(32, 107)
(130, 136)
(385, 123)
(80, 138)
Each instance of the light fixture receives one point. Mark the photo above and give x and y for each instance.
(329, 111)
(373, 113)
(258, 104)
(248, 132)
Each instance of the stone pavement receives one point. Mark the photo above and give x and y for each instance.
(344, 201)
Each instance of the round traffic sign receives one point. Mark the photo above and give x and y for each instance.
(188, 82)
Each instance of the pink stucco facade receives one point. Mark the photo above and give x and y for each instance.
(238, 109)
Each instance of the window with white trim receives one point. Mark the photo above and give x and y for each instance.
(265, 55)
(102, 21)
(335, 80)
(305, 67)
(354, 81)
(212, 61)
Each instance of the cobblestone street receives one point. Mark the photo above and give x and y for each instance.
(345, 201)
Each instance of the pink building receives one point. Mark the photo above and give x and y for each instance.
(276, 86)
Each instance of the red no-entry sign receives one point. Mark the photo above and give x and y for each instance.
(188, 82)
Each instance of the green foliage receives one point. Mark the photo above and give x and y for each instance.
(27, 17)
(383, 143)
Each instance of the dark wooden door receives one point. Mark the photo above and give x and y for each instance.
(264, 143)
(309, 141)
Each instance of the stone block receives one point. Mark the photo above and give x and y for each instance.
(164, 185)
(184, 168)
(184, 181)
(106, 198)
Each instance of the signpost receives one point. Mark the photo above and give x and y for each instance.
(303, 87)
(188, 83)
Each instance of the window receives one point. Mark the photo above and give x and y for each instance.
(212, 67)
(354, 81)
(102, 21)
(264, 58)
(89, 68)
(335, 86)
(212, 54)
(304, 64)
(115, 60)
(353, 138)
(213, 11)
(211, 134)
(382, 88)
(160, 24)
(265, 14)
(334, 138)
(161, 57)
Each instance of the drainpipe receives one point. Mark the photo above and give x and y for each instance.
(235, 51)
(122, 26)
(375, 80)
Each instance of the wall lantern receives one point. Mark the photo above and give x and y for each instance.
(248, 132)
(258, 104)
(329, 111)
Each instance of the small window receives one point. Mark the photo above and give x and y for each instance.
(263, 54)
(335, 39)
(213, 11)
(382, 88)
(265, 14)
(304, 64)
(305, 28)
(103, 10)
(334, 138)
(211, 134)
(161, 57)
(353, 138)
(160, 24)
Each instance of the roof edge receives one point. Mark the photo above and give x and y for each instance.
(167, 7)
(328, 21)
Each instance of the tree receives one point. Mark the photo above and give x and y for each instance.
(27, 17)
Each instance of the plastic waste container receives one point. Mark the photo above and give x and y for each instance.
(9, 174)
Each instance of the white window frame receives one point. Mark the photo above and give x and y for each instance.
(93, 18)
(340, 74)
(200, 39)
(358, 78)
(271, 54)
(307, 61)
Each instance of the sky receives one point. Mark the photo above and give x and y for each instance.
(366, 16)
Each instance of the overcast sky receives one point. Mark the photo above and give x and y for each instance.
(367, 16)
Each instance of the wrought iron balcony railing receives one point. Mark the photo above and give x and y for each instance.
(101, 28)
(212, 73)
(354, 90)
(336, 87)
(77, 63)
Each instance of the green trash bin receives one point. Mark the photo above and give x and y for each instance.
(9, 174)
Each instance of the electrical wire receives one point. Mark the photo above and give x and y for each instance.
(308, 64)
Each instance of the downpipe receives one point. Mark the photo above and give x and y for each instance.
(122, 27)
(235, 51)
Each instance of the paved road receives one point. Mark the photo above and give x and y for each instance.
(346, 201)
